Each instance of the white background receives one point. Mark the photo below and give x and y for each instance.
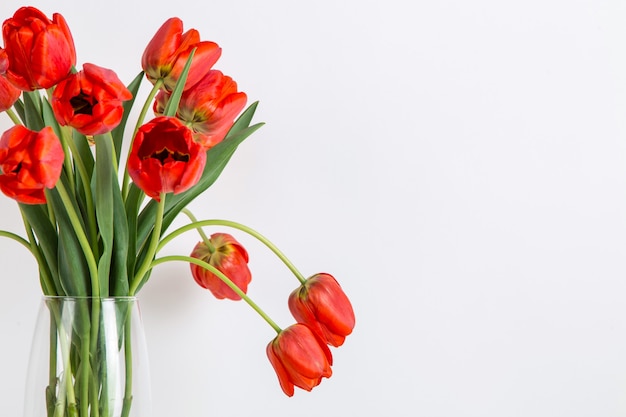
(459, 166)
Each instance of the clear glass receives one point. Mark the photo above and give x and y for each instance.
(88, 359)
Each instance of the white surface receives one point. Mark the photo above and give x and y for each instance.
(460, 168)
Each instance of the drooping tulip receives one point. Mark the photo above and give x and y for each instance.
(299, 358)
(227, 255)
(167, 53)
(29, 162)
(40, 51)
(164, 158)
(321, 304)
(90, 100)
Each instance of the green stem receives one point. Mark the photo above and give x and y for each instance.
(17, 238)
(13, 116)
(243, 228)
(66, 398)
(68, 159)
(94, 353)
(128, 365)
(142, 115)
(224, 278)
(82, 239)
(83, 370)
(52, 364)
(203, 235)
(152, 248)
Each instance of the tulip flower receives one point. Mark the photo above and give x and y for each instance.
(229, 257)
(164, 158)
(90, 100)
(30, 162)
(168, 52)
(8, 94)
(209, 108)
(4, 61)
(321, 304)
(299, 358)
(40, 51)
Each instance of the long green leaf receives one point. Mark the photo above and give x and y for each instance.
(47, 237)
(73, 271)
(118, 132)
(172, 103)
(19, 108)
(133, 202)
(85, 157)
(32, 111)
(48, 117)
(103, 196)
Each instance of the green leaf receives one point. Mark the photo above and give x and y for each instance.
(48, 117)
(19, 108)
(172, 103)
(118, 132)
(103, 196)
(83, 155)
(47, 238)
(32, 111)
(84, 149)
(73, 271)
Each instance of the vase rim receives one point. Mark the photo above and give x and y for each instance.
(89, 297)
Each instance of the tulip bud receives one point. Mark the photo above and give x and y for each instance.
(167, 53)
(321, 304)
(230, 258)
(299, 358)
(40, 51)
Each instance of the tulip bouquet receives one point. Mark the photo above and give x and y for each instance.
(96, 221)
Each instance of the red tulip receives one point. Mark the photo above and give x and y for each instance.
(30, 161)
(321, 304)
(8, 94)
(40, 51)
(230, 258)
(164, 158)
(299, 358)
(209, 108)
(168, 51)
(90, 100)
(4, 61)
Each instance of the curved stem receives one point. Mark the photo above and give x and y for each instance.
(17, 238)
(82, 239)
(153, 248)
(243, 228)
(203, 235)
(224, 278)
(13, 116)
(140, 119)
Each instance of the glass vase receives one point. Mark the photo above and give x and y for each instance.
(88, 359)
